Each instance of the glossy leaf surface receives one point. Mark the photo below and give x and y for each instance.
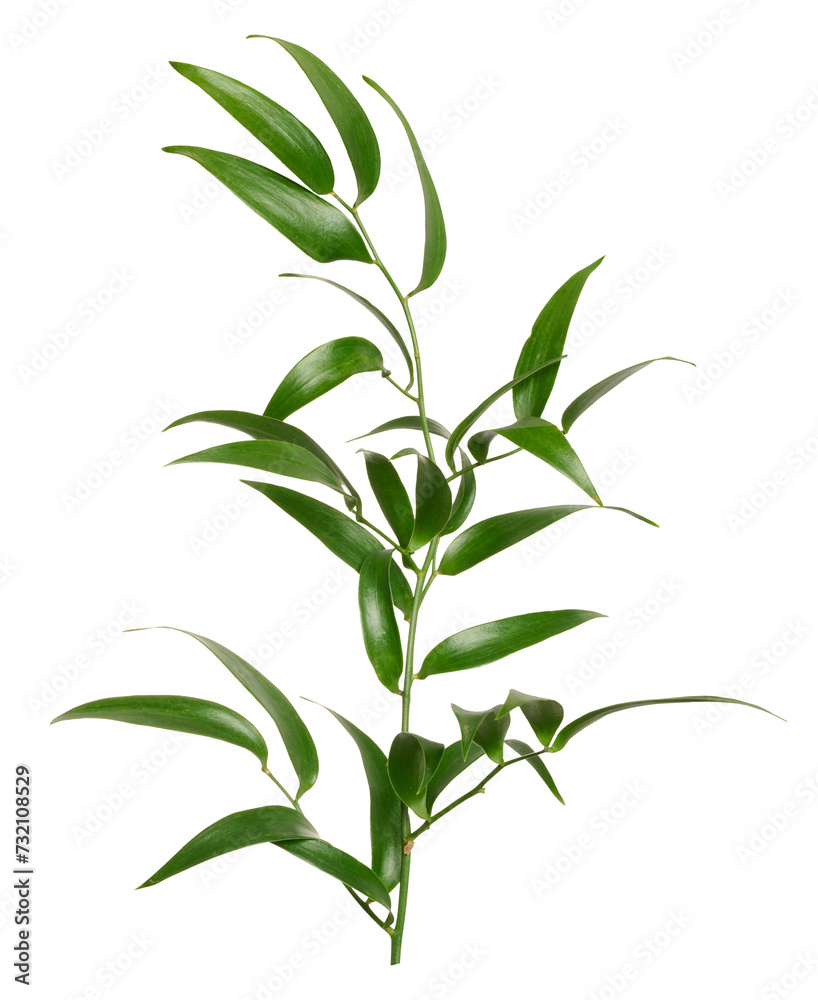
(391, 495)
(410, 423)
(464, 499)
(543, 714)
(536, 762)
(433, 503)
(412, 762)
(450, 767)
(485, 729)
(378, 624)
(340, 865)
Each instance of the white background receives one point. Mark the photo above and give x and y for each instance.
(686, 884)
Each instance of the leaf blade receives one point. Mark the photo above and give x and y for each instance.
(412, 762)
(546, 441)
(544, 715)
(537, 763)
(378, 625)
(391, 495)
(433, 503)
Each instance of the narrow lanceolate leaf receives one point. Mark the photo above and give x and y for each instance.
(410, 423)
(450, 767)
(543, 714)
(492, 641)
(382, 318)
(315, 226)
(378, 624)
(487, 538)
(462, 428)
(340, 865)
(536, 762)
(391, 495)
(281, 132)
(464, 500)
(349, 117)
(180, 714)
(590, 396)
(347, 539)
(321, 370)
(569, 731)
(294, 734)
(384, 807)
(434, 252)
(547, 340)
(412, 762)
(433, 503)
(487, 729)
(241, 829)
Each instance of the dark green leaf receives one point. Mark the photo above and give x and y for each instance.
(180, 714)
(464, 501)
(349, 117)
(384, 809)
(450, 767)
(487, 729)
(340, 865)
(590, 396)
(543, 714)
(434, 252)
(410, 423)
(282, 133)
(378, 625)
(433, 503)
(536, 762)
(321, 370)
(412, 762)
(547, 340)
(391, 495)
(567, 732)
(492, 641)
(315, 226)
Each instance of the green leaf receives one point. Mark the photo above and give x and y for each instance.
(180, 714)
(590, 396)
(321, 370)
(492, 641)
(543, 714)
(378, 624)
(391, 329)
(547, 340)
(349, 117)
(294, 734)
(571, 730)
(315, 226)
(450, 767)
(434, 252)
(487, 538)
(460, 431)
(281, 132)
(464, 501)
(391, 495)
(412, 762)
(433, 503)
(384, 809)
(340, 865)
(537, 764)
(345, 538)
(410, 423)
(487, 729)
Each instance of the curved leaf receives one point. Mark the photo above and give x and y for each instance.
(391, 495)
(321, 370)
(433, 503)
(543, 714)
(349, 117)
(547, 340)
(492, 641)
(410, 423)
(536, 762)
(412, 762)
(315, 226)
(464, 500)
(571, 730)
(378, 625)
(180, 714)
(590, 396)
(487, 729)
(384, 809)
(340, 865)
(434, 251)
(450, 767)
(281, 132)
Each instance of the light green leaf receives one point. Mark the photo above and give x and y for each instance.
(536, 762)
(543, 714)
(433, 503)
(412, 762)
(378, 625)
(391, 495)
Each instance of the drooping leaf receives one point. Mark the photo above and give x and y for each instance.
(434, 251)
(433, 503)
(180, 714)
(590, 396)
(349, 117)
(547, 340)
(347, 539)
(340, 865)
(281, 132)
(536, 762)
(321, 370)
(296, 737)
(391, 495)
(378, 625)
(391, 329)
(543, 714)
(384, 808)
(450, 767)
(412, 762)
(410, 423)
(487, 729)
(492, 641)
(315, 226)
(487, 538)
(569, 731)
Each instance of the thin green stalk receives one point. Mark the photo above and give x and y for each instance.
(275, 780)
(365, 907)
(405, 392)
(479, 465)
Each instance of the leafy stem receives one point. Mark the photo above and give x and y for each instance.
(479, 465)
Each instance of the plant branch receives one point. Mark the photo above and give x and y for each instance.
(366, 908)
(479, 465)
(275, 780)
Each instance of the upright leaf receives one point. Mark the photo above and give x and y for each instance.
(391, 495)
(434, 251)
(543, 714)
(281, 132)
(464, 500)
(412, 762)
(547, 340)
(487, 729)
(536, 762)
(378, 625)
(433, 503)
(492, 641)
